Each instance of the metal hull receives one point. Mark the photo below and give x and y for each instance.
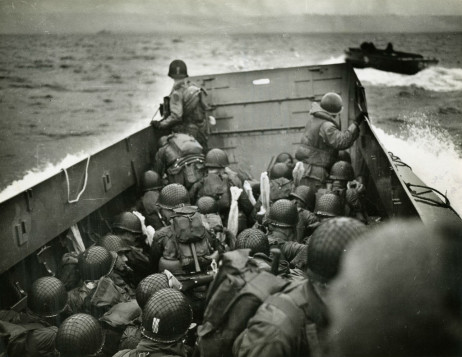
(259, 114)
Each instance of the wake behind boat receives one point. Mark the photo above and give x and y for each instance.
(367, 55)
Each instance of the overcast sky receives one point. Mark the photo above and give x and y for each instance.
(35, 15)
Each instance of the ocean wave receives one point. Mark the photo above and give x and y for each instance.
(334, 60)
(438, 79)
(431, 153)
(37, 175)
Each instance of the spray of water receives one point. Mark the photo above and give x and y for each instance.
(429, 150)
(438, 79)
(39, 174)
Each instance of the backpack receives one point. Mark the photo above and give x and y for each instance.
(189, 239)
(180, 146)
(217, 187)
(234, 296)
(194, 105)
(280, 188)
(185, 159)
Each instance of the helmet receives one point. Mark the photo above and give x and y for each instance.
(95, 263)
(207, 204)
(127, 221)
(327, 244)
(401, 269)
(151, 181)
(166, 316)
(332, 103)
(342, 170)
(114, 243)
(47, 297)
(344, 156)
(254, 239)
(284, 157)
(130, 338)
(173, 196)
(79, 335)
(216, 158)
(306, 194)
(177, 69)
(283, 213)
(329, 205)
(149, 285)
(280, 170)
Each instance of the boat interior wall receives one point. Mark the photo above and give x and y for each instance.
(34, 217)
(262, 113)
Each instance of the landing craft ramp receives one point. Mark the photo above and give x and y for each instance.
(259, 114)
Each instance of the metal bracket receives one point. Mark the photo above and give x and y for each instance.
(28, 195)
(22, 235)
(107, 181)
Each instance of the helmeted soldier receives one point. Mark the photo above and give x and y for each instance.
(97, 292)
(217, 183)
(323, 138)
(128, 227)
(186, 108)
(400, 289)
(165, 321)
(285, 158)
(80, 335)
(304, 198)
(257, 241)
(282, 221)
(122, 274)
(288, 323)
(329, 205)
(343, 183)
(32, 333)
(151, 185)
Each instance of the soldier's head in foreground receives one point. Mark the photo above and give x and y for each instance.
(283, 215)
(399, 293)
(304, 197)
(327, 245)
(47, 299)
(80, 335)
(96, 262)
(253, 239)
(329, 205)
(166, 317)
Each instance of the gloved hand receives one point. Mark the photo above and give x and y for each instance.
(155, 124)
(360, 118)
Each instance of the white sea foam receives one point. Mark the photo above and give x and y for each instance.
(437, 79)
(334, 60)
(39, 174)
(432, 156)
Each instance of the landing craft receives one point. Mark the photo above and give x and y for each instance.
(367, 55)
(259, 114)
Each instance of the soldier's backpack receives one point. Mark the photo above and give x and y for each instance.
(234, 296)
(280, 188)
(185, 159)
(217, 187)
(191, 238)
(195, 107)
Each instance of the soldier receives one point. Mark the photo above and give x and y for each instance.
(186, 108)
(80, 335)
(282, 221)
(217, 183)
(322, 139)
(166, 319)
(350, 190)
(329, 205)
(128, 227)
(288, 323)
(97, 292)
(147, 204)
(285, 158)
(32, 333)
(400, 289)
(257, 242)
(304, 198)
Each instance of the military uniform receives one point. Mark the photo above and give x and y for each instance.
(286, 324)
(187, 111)
(320, 144)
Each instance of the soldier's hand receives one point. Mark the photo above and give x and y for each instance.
(155, 124)
(360, 118)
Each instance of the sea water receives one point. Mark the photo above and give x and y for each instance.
(63, 97)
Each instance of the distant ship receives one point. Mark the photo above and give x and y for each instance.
(367, 55)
